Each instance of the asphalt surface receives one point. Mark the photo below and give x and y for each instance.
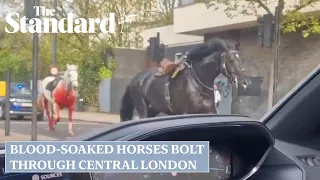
(23, 127)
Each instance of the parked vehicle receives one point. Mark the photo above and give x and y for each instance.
(20, 102)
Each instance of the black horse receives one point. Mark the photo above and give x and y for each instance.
(190, 92)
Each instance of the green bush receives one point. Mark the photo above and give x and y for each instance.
(92, 72)
(106, 72)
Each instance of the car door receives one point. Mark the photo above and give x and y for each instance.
(295, 124)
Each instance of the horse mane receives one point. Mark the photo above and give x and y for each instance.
(70, 67)
(205, 49)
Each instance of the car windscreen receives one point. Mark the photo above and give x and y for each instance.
(20, 91)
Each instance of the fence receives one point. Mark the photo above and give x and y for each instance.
(129, 62)
(111, 92)
(118, 87)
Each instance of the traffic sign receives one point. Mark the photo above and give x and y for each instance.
(3, 88)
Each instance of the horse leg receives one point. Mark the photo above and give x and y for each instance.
(50, 115)
(152, 112)
(141, 107)
(45, 103)
(46, 109)
(70, 129)
(212, 110)
(209, 108)
(56, 109)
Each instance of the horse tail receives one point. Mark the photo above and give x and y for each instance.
(126, 111)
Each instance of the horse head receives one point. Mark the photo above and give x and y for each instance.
(71, 76)
(232, 66)
(217, 51)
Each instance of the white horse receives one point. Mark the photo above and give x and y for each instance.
(58, 93)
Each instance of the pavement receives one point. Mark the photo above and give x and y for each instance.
(92, 117)
(84, 122)
(21, 130)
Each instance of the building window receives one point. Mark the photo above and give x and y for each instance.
(186, 2)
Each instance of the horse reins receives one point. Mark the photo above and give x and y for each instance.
(197, 78)
(223, 64)
(223, 67)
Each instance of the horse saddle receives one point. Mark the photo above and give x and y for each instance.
(168, 67)
(53, 84)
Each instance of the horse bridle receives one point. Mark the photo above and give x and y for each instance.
(223, 67)
(223, 63)
(196, 77)
(70, 81)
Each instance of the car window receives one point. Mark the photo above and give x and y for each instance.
(20, 91)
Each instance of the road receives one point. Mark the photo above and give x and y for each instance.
(21, 129)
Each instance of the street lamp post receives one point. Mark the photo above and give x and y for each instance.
(54, 39)
(7, 104)
(35, 58)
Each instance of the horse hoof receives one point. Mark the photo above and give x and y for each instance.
(56, 121)
(71, 133)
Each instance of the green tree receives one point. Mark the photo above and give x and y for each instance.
(292, 17)
(88, 48)
(82, 49)
(165, 11)
(11, 55)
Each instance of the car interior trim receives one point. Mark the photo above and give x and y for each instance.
(123, 125)
(237, 124)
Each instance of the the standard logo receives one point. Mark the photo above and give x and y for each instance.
(70, 24)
